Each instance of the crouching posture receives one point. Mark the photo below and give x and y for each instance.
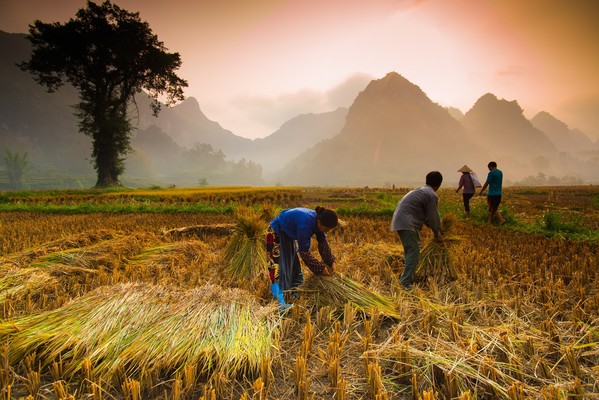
(290, 234)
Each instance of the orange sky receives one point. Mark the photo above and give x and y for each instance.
(254, 64)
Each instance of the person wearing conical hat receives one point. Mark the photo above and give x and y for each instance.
(467, 183)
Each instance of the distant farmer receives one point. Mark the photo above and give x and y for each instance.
(418, 207)
(290, 234)
(467, 182)
(494, 182)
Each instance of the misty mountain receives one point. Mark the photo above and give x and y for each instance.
(393, 134)
(188, 126)
(564, 138)
(33, 120)
(294, 137)
(501, 129)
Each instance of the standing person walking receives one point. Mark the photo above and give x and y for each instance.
(290, 234)
(495, 183)
(466, 182)
(418, 207)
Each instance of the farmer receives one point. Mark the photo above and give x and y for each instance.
(466, 182)
(494, 182)
(289, 234)
(417, 208)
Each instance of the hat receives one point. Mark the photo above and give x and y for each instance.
(465, 169)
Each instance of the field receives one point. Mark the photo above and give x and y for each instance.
(129, 294)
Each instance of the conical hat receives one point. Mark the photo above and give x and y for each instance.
(465, 168)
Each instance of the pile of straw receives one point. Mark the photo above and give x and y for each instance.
(245, 254)
(435, 258)
(146, 330)
(337, 290)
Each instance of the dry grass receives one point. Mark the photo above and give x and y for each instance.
(143, 331)
(519, 321)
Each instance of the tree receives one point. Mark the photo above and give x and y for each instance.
(109, 55)
(16, 165)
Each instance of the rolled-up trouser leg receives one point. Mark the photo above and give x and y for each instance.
(290, 269)
(411, 247)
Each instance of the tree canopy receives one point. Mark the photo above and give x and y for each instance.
(109, 55)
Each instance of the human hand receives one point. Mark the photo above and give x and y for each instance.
(439, 238)
(327, 272)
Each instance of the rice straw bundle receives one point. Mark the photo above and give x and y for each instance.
(107, 253)
(337, 290)
(142, 329)
(17, 283)
(435, 258)
(169, 260)
(245, 254)
(69, 242)
(218, 230)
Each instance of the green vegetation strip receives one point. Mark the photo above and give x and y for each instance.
(86, 208)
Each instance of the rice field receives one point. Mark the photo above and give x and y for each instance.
(160, 304)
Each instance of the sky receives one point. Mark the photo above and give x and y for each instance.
(254, 64)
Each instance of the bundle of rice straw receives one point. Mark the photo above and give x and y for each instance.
(435, 258)
(142, 329)
(337, 290)
(245, 254)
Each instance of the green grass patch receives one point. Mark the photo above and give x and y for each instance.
(88, 208)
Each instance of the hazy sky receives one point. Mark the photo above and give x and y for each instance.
(253, 64)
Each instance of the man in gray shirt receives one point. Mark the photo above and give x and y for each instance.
(418, 207)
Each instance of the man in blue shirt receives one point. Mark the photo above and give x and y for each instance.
(494, 182)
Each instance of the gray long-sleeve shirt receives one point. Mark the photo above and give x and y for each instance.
(418, 207)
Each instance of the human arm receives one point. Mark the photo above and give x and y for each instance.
(433, 219)
(316, 266)
(327, 265)
(483, 188)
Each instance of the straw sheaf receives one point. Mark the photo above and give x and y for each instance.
(142, 329)
(245, 254)
(25, 257)
(182, 262)
(108, 254)
(338, 290)
(435, 261)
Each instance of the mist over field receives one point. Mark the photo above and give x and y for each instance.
(391, 134)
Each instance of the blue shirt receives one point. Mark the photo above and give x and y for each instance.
(299, 224)
(495, 181)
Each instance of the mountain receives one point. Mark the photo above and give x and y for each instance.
(294, 137)
(564, 138)
(34, 121)
(501, 129)
(187, 125)
(393, 134)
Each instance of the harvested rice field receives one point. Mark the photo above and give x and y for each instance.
(101, 298)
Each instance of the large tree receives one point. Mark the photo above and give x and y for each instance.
(109, 55)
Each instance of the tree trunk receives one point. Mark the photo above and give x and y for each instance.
(106, 180)
(107, 161)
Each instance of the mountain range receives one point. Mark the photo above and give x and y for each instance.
(391, 134)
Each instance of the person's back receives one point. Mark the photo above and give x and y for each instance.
(416, 208)
(495, 179)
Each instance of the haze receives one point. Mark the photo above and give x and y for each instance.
(253, 65)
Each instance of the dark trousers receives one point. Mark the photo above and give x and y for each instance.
(467, 197)
(290, 269)
(410, 241)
